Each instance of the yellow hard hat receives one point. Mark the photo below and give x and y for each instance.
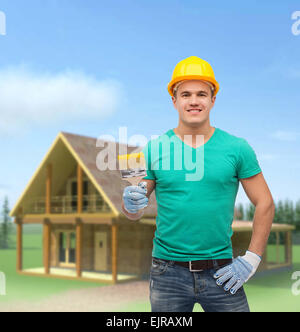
(193, 68)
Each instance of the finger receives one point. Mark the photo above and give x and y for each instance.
(135, 204)
(140, 201)
(133, 209)
(143, 206)
(133, 195)
(136, 196)
(236, 287)
(230, 283)
(143, 185)
(136, 210)
(222, 271)
(224, 278)
(138, 189)
(130, 210)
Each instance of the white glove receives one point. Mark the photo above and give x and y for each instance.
(239, 272)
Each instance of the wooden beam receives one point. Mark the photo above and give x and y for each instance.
(46, 242)
(19, 243)
(48, 187)
(277, 248)
(96, 221)
(93, 218)
(288, 247)
(114, 249)
(79, 188)
(79, 227)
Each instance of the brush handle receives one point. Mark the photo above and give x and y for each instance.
(134, 181)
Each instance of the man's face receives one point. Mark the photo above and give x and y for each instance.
(193, 95)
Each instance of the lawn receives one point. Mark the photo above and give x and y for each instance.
(21, 287)
(265, 293)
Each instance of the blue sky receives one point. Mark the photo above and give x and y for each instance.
(90, 67)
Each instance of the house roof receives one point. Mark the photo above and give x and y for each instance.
(108, 182)
(238, 225)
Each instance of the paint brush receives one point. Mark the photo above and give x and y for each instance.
(132, 167)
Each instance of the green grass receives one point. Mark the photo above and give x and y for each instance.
(32, 288)
(272, 253)
(265, 293)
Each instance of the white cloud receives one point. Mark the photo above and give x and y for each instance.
(286, 135)
(29, 99)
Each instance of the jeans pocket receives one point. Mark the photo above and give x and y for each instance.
(158, 266)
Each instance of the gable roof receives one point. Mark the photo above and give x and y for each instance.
(239, 225)
(108, 183)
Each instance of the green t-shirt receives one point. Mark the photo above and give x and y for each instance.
(195, 191)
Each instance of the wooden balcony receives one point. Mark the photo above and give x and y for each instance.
(67, 205)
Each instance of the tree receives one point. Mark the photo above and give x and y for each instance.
(279, 213)
(250, 212)
(297, 215)
(5, 226)
(239, 212)
(288, 212)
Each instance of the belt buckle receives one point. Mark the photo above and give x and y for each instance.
(190, 267)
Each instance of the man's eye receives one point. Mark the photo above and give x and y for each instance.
(201, 95)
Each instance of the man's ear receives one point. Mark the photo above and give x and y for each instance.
(174, 100)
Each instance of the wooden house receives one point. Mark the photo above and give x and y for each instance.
(85, 234)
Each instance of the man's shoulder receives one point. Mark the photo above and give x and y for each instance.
(230, 138)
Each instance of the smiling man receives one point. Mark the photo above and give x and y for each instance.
(195, 101)
(192, 251)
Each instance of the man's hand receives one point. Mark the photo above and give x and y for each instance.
(239, 272)
(134, 197)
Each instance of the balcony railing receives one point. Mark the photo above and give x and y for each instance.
(68, 204)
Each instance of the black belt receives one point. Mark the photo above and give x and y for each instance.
(197, 266)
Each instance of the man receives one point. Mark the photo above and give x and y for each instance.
(192, 253)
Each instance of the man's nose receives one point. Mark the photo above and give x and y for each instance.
(194, 100)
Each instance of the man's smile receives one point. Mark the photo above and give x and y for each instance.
(194, 110)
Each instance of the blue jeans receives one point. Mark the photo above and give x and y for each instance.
(173, 288)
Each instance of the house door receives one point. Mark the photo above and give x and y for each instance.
(100, 251)
(67, 249)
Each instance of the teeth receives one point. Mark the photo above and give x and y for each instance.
(194, 111)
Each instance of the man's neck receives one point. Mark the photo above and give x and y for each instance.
(207, 130)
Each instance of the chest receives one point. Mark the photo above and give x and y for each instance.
(214, 168)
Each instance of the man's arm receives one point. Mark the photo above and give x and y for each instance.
(259, 194)
(243, 268)
(136, 216)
